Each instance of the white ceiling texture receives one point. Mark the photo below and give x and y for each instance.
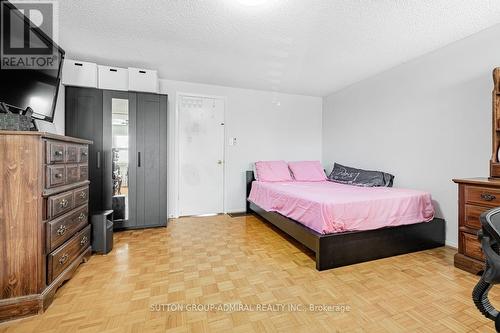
(311, 47)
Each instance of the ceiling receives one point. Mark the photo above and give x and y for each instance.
(310, 47)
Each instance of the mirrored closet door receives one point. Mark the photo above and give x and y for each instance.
(119, 146)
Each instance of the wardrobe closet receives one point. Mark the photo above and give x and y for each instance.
(128, 160)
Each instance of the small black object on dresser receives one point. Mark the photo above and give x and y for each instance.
(15, 121)
(102, 231)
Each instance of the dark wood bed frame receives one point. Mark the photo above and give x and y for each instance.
(346, 248)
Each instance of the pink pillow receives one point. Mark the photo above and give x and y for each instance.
(307, 171)
(272, 171)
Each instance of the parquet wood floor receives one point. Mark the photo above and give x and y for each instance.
(219, 259)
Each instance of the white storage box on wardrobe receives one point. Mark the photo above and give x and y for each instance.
(145, 80)
(113, 78)
(79, 73)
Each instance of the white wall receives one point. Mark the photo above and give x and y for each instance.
(264, 131)
(426, 121)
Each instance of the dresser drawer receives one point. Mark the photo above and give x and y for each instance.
(482, 195)
(61, 258)
(81, 196)
(72, 173)
(72, 152)
(55, 152)
(55, 175)
(83, 155)
(60, 204)
(62, 228)
(472, 213)
(471, 246)
(84, 172)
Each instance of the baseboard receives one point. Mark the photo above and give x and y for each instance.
(451, 245)
(238, 214)
(149, 226)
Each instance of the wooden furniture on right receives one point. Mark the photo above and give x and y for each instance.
(495, 124)
(475, 196)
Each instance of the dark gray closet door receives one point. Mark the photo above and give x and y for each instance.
(133, 160)
(151, 147)
(83, 119)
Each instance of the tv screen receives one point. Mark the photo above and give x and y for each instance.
(35, 87)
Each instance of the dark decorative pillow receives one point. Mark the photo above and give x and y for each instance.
(352, 176)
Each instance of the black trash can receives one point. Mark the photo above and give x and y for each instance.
(102, 231)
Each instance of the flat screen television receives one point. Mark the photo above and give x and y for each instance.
(35, 88)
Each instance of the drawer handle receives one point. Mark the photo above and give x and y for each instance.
(84, 153)
(64, 203)
(488, 197)
(83, 195)
(61, 230)
(58, 153)
(81, 217)
(58, 175)
(84, 241)
(63, 259)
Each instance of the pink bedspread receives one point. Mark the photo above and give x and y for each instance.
(328, 207)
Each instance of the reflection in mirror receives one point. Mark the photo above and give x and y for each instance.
(120, 150)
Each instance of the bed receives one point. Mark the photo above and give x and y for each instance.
(345, 224)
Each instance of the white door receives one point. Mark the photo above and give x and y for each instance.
(201, 155)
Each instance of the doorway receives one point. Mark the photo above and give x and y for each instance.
(201, 155)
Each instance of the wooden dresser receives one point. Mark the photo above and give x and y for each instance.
(475, 195)
(44, 230)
